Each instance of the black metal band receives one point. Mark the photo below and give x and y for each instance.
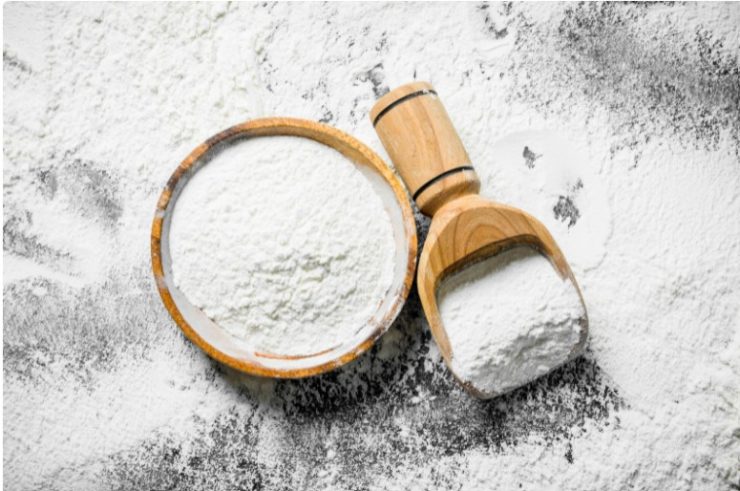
(401, 100)
(446, 173)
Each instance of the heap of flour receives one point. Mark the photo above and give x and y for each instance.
(630, 111)
(283, 242)
(510, 319)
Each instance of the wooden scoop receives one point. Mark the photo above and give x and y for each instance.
(427, 152)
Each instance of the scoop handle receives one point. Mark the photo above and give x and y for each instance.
(424, 146)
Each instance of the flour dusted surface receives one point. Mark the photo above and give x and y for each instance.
(637, 101)
(283, 242)
(509, 319)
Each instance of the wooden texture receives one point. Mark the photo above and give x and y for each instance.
(354, 150)
(422, 142)
(465, 228)
(469, 229)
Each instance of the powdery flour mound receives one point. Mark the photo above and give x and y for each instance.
(509, 319)
(615, 124)
(284, 243)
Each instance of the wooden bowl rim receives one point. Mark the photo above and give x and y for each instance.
(351, 148)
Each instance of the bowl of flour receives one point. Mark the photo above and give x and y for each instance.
(283, 247)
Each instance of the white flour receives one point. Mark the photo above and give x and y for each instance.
(637, 101)
(284, 243)
(509, 319)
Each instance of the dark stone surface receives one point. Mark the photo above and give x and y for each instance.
(395, 407)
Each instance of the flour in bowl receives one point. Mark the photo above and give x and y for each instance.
(510, 319)
(283, 242)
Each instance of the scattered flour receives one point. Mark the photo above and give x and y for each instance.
(284, 243)
(510, 319)
(637, 101)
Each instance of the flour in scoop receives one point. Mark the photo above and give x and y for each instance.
(283, 242)
(510, 319)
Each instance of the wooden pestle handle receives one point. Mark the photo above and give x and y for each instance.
(426, 150)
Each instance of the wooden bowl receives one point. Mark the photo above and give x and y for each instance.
(236, 352)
